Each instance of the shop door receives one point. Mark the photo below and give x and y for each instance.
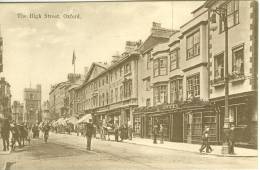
(192, 127)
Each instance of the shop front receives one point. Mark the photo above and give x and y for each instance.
(171, 119)
(195, 119)
(242, 114)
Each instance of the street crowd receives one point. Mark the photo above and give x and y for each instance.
(14, 134)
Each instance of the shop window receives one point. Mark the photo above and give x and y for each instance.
(174, 56)
(238, 60)
(193, 45)
(219, 67)
(176, 90)
(193, 86)
(238, 115)
(160, 66)
(232, 14)
(137, 124)
(160, 94)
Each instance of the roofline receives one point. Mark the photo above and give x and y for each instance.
(195, 10)
(209, 3)
(108, 69)
(193, 19)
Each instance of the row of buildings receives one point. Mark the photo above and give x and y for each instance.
(176, 78)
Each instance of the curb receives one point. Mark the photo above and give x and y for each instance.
(211, 154)
(208, 154)
(5, 165)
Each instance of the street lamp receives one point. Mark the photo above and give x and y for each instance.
(222, 12)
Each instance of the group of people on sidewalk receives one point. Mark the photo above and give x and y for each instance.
(124, 131)
(13, 134)
(229, 138)
(158, 131)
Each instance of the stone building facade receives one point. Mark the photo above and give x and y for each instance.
(32, 105)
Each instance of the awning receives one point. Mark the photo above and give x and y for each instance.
(85, 119)
(73, 120)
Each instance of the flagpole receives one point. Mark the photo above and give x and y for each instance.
(74, 66)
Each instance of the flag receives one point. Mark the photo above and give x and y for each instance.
(73, 58)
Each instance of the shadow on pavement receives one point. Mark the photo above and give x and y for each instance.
(8, 165)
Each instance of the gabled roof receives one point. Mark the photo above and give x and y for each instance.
(209, 3)
(156, 37)
(92, 68)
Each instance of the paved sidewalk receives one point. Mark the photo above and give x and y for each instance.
(239, 152)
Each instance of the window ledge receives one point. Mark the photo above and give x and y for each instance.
(217, 82)
(237, 78)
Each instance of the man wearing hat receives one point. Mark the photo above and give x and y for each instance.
(231, 139)
(89, 132)
(205, 141)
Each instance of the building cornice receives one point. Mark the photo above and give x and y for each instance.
(195, 66)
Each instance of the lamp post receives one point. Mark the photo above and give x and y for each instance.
(222, 12)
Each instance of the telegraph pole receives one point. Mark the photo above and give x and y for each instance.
(222, 12)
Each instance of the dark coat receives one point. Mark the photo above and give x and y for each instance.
(231, 135)
(89, 129)
(205, 134)
(5, 129)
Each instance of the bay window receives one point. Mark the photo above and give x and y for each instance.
(160, 66)
(176, 90)
(232, 14)
(174, 59)
(193, 45)
(127, 88)
(160, 94)
(193, 86)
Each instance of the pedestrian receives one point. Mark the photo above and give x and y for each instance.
(231, 139)
(89, 132)
(121, 132)
(205, 141)
(130, 130)
(155, 133)
(116, 130)
(161, 133)
(5, 132)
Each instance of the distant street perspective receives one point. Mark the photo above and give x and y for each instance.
(129, 85)
(65, 151)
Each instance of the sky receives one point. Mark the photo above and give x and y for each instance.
(39, 51)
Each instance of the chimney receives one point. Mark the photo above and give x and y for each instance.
(130, 46)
